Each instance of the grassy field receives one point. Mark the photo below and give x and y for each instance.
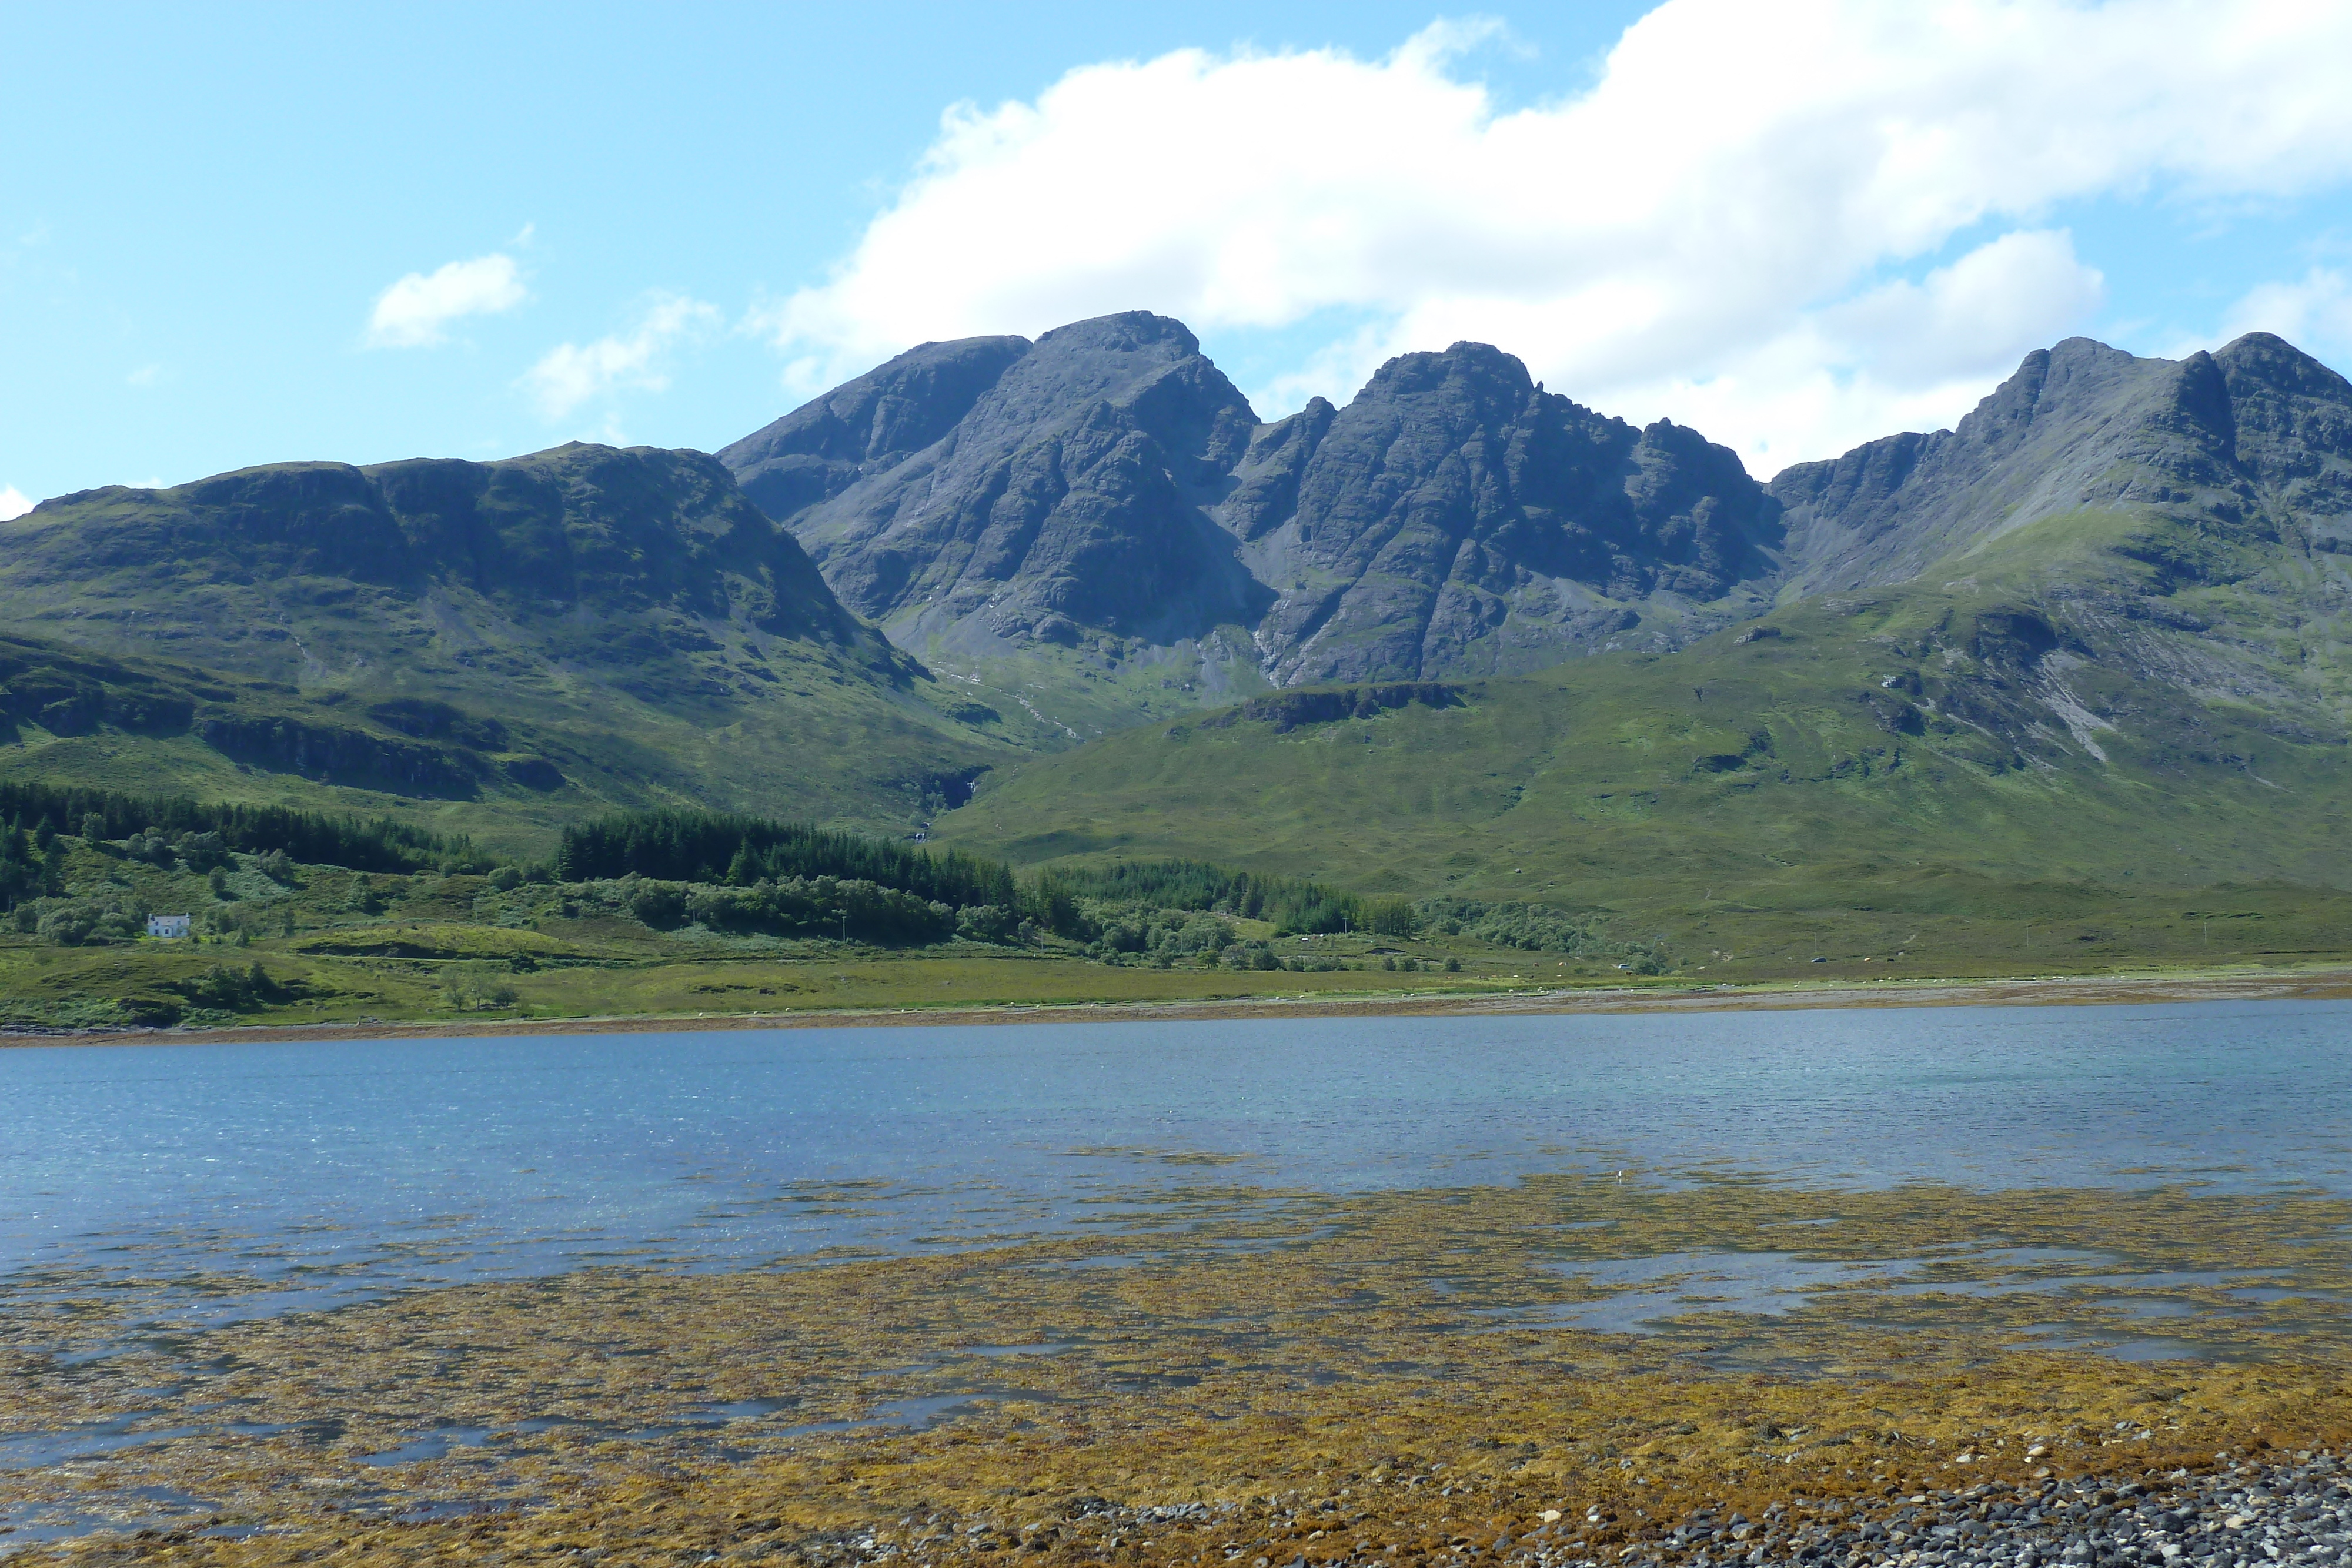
(2075, 756)
(595, 629)
(333, 946)
(1883, 777)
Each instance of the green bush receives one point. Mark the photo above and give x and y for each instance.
(988, 922)
(72, 921)
(475, 985)
(231, 989)
(202, 852)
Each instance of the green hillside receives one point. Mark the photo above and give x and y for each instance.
(2106, 733)
(496, 648)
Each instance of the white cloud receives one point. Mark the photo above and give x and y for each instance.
(571, 374)
(144, 376)
(14, 503)
(2315, 313)
(415, 312)
(1710, 229)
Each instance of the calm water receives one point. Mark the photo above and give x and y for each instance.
(329, 1170)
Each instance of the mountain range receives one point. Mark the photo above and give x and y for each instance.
(513, 643)
(2110, 602)
(2091, 642)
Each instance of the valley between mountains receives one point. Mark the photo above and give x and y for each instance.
(1464, 674)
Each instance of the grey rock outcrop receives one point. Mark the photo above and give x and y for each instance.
(577, 528)
(1068, 495)
(1104, 495)
(865, 426)
(2258, 433)
(1453, 518)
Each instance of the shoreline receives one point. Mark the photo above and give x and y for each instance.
(2320, 983)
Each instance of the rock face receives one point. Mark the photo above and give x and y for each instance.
(866, 426)
(1068, 492)
(620, 627)
(1107, 484)
(577, 528)
(1108, 481)
(1455, 519)
(2258, 434)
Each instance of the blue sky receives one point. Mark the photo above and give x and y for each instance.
(680, 221)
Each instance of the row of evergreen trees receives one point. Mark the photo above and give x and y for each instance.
(30, 863)
(709, 848)
(377, 843)
(1290, 903)
(719, 849)
(723, 849)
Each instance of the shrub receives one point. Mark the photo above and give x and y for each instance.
(71, 922)
(988, 922)
(506, 879)
(476, 985)
(202, 852)
(660, 904)
(231, 989)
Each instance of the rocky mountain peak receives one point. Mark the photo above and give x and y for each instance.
(864, 426)
(578, 531)
(1066, 495)
(2255, 429)
(1454, 517)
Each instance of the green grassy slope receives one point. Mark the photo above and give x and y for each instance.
(497, 647)
(2068, 740)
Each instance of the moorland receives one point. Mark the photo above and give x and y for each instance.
(1507, 693)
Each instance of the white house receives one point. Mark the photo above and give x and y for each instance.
(167, 926)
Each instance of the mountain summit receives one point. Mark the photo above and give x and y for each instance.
(2258, 433)
(1455, 519)
(1103, 508)
(1098, 521)
(1064, 486)
(580, 627)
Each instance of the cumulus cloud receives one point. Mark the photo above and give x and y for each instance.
(2314, 313)
(415, 312)
(1801, 220)
(14, 503)
(571, 374)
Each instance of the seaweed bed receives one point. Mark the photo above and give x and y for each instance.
(1565, 1369)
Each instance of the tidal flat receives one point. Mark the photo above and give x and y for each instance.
(1853, 1287)
(1375, 1376)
